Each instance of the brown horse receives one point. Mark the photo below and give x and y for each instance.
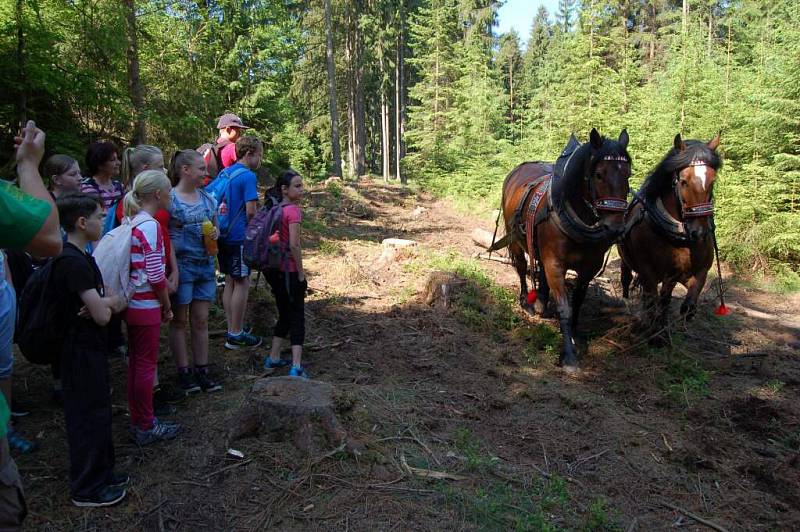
(567, 223)
(669, 235)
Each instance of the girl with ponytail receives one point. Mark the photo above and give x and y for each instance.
(149, 305)
(288, 282)
(190, 209)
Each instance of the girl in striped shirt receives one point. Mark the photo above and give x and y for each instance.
(149, 305)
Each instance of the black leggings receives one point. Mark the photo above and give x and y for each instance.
(291, 310)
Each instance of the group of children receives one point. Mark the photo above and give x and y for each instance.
(174, 226)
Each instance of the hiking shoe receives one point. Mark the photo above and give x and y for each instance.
(242, 339)
(247, 329)
(272, 364)
(298, 372)
(108, 496)
(161, 430)
(119, 480)
(207, 384)
(187, 383)
(20, 444)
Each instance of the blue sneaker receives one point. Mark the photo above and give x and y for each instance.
(20, 444)
(272, 364)
(298, 372)
(242, 340)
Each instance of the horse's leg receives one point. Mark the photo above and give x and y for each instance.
(625, 277)
(544, 294)
(521, 265)
(556, 272)
(578, 295)
(664, 299)
(693, 289)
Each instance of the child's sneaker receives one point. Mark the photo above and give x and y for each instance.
(242, 339)
(298, 371)
(188, 384)
(119, 480)
(273, 364)
(108, 496)
(161, 430)
(20, 444)
(206, 383)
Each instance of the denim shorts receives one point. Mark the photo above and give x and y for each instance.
(231, 260)
(8, 319)
(197, 281)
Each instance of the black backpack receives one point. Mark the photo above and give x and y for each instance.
(41, 325)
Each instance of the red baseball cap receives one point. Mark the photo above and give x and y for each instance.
(230, 120)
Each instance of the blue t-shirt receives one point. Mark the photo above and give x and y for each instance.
(241, 190)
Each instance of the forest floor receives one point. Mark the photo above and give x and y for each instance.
(708, 425)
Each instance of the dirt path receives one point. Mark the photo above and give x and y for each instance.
(708, 425)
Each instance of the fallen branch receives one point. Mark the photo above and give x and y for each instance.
(428, 473)
(227, 468)
(687, 513)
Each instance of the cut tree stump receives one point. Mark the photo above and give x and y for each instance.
(290, 408)
(395, 249)
(442, 288)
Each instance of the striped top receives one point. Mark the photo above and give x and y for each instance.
(148, 270)
(107, 195)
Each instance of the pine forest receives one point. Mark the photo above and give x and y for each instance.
(428, 92)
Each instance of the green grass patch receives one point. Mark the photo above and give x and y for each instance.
(601, 518)
(330, 248)
(476, 459)
(483, 304)
(684, 379)
(499, 506)
(541, 342)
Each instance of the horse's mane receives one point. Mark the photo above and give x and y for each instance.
(676, 160)
(570, 183)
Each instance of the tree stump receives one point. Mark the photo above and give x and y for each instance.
(442, 288)
(301, 410)
(395, 249)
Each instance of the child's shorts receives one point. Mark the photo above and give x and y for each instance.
(197, 281)
(231, 260)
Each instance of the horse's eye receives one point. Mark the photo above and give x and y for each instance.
(684, 183)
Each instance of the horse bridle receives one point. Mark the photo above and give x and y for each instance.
(698, 210)
(606, 203)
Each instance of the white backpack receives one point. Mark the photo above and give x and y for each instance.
(113, 257)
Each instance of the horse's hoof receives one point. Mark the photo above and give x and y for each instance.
(570, 369)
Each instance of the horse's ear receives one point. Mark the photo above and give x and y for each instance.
(595, 139)
(714, 143)
(678, 143)
(623, 138)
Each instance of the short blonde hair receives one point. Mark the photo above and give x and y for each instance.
(146, 182)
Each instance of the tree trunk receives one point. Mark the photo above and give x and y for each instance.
(134, 82)
(398, 97)
(22, 101)
(591, 55)
(356, 113)
(386, 141)
(336, 150)
(511, 93)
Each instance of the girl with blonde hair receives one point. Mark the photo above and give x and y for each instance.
(149, 305)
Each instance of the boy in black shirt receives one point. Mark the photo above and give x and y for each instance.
(84, 356)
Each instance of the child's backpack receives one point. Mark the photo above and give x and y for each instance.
(263, 248)
(111, 218)
(218, 189)
(211, 153)
(41, 326)
(113, 257)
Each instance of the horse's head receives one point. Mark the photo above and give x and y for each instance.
(607, 180)
(693, 184)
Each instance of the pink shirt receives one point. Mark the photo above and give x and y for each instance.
(291, 215)
(228, 152)
(148, 271)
